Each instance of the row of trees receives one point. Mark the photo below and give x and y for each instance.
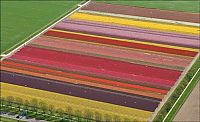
(177, 92)
(41, 108)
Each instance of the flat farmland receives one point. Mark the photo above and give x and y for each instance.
(117, 63)
(22, 19)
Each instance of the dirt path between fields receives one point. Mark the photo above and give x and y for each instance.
(190, 111)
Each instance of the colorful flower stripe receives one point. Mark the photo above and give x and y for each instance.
(62, 101)
(142, 18)
(52, 72)
(105, 51)
(134, 41)
(94, 64)
(121, 87)
(83, 91)
(84, 27)
(137, 23)
(69, 73)
(84, 37)
(74, 76)
(130, 28)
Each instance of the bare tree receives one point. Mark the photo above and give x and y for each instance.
(19, 101)
(43, 106)
(116, 118)
(60, 111)
(78, 113)
(27, 104)
(2, 101)
(98, 116)
(69, 111)
(108, 118)
(88, 114)
(34, 104)
(127, 120)
(10, 100)
(135, 120)
(51, 109)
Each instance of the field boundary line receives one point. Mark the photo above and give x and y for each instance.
(166, 97)
(181, 95)
(43, 30)
(143, 18)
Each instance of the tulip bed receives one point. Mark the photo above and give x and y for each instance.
(104, 60)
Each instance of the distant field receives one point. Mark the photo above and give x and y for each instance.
(21, 19)
(187, 6)
(100, 66)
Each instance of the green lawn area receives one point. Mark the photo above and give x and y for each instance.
(4, 119)
(21, 19)
(187, 6)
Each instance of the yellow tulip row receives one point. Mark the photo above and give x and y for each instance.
(137, 23)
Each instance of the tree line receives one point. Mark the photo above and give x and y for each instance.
(40, 108)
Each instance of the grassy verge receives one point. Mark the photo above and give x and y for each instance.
(186, 6)
(177, 92)
(21, 20)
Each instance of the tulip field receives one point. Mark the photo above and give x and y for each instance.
(112, 59)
